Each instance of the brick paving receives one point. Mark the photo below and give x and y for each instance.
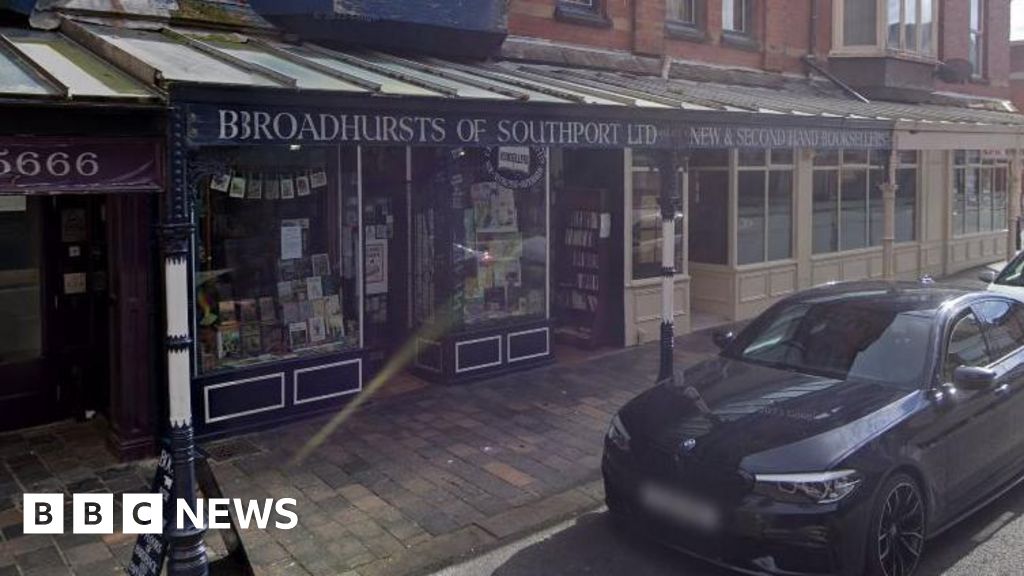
(412, 481)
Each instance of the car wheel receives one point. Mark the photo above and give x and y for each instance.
(896, 532)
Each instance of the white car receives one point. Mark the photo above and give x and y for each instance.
(1009, 281)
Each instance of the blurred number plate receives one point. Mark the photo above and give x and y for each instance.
(686, 509)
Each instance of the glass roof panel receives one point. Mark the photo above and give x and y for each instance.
(304, 76)
(388, 85)
(83, 73)
(14, 79)
(177, 61)
(463, 90)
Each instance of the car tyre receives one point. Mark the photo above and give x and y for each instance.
(897, 528)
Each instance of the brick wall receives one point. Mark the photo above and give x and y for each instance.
(781, 29)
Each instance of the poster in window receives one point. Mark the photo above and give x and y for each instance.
(255, 190)
(220, 182)
(376, 266)
(287, 188)
(73, 226)
(298, 335)
(272, 189)
(237, 187)
(302, 185)
(291, 242)
(317, 329)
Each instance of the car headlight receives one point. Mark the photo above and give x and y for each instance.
(617, 434)
(817, 487)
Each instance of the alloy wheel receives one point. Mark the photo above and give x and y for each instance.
(901, 531)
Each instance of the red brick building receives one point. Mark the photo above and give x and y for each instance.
(779, 36)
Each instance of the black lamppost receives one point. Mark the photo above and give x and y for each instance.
(671, 187)
(187, 550)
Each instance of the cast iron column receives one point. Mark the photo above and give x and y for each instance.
(889, 217)
(1013, 208)
(670, 180)
(187, 550)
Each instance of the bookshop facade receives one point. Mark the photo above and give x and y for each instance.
(330, 244)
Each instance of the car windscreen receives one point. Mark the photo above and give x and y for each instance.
(1013, 273)
(844, 340)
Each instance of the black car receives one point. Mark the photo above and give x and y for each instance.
(834, 435)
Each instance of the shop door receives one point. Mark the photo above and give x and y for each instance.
(77, 302)
(385, 240)
(587, 264)
(28, 390)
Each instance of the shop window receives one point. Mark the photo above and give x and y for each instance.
(980, 192)
(847, 200)
(647, 241)
(765, 206)
(479, 239)
(20, 282)
(909, 26)
(276, 258)
(976, 38)
(906, 197)
(708, 205)
(584, 12)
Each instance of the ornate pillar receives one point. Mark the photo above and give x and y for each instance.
(1013, 206)
(889, 217)
(187, 550)
(671, 187)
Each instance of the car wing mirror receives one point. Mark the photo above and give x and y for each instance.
(973, 378)
(987, 276)
(723, 339)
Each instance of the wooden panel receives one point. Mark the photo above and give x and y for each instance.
(314, 383)
(478, 354)
(429, 355)
(528, 344)
(753, 287)
(782, 282)
(243, 397)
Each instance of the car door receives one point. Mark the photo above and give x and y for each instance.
(970, 440)
(1003, 323)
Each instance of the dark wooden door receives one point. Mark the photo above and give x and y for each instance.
(77, 302)
(28, 389)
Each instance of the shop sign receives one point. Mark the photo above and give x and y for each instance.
(211, 124)
(49, 166)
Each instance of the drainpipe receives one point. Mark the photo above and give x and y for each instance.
(812, 36)
(187, 551)
(671, 187)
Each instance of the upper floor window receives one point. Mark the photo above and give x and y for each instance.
(976, 42)
(902, 26)
(736, 16)
(586, 12)
(910, 25)
(682, 11)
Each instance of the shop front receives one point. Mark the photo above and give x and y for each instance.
(81, 166)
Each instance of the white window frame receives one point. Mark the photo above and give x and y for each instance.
(671, 16)
(767, 168)
(880, 47)
(745, 8)
(981, 34)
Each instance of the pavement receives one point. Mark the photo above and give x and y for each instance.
(421, 480)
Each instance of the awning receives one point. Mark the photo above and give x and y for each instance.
(50, 66)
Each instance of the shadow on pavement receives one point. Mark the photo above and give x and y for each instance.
(986, 542)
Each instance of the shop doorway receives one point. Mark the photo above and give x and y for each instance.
(587, 264)
(385, 223)
(54, 307)
(707, 208)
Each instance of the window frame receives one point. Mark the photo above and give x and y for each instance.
(746, 12)
(869, 167)
(684, 30)
(980, 33)
(767, 168)
(880, 46)
(583, 12)
(974, 160)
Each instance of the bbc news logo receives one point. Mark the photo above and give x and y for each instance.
(144, 514)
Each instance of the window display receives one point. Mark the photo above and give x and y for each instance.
(847, 204)
(980, 191)
(481, 215)
(276, 244)
(647, 219)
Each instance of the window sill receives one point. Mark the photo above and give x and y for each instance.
(876, 52)
(740, 40)
(980, 81)
(581, 16)
(684, 31)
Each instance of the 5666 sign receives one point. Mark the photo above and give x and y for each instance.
(59, 164)
(104, 165)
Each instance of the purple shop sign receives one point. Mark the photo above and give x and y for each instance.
(80, 165)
